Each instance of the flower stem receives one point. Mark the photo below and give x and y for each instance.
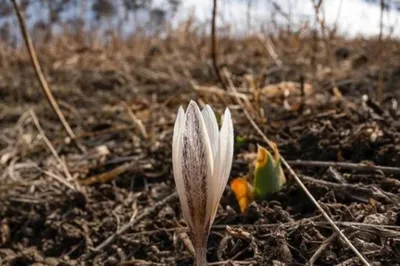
(201, 255)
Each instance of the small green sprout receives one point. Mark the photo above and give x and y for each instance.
(268, 179)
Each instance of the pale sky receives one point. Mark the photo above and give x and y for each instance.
(354, 17)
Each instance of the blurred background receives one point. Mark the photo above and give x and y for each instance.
(106, 18)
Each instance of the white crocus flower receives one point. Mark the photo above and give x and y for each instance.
(202, 159)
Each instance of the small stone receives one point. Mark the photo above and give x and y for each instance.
(51, 261)
(377, 218)
(166, 213)
(111, 261)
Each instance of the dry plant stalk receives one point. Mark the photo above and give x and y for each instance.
(136, 121)
(134, 221)
(353, 166)
(214, 45)
(321, 21)
(39, 71)
(107, 176)
(269, 46)
(68, 177)
(379, 92)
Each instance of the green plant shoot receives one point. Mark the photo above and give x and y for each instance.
(268, 174)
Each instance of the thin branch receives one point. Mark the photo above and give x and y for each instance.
(233, 262)
(140, 262)
(318, 4)
(380, 230)
(322, 248)
(109, 175)
(380, 40)
(54, 152)
(136, 121)
(351, 166)
(299, 182)
(320, 19)
(269, 46)
(38, 70)
(382, 5)
(354, 190)
(135, 221)
(214, 45)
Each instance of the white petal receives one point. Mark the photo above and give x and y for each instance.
(179, 122)
(177, 162)
(197, 169)
(223, 160)
(212, 128)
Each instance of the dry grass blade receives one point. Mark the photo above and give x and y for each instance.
(320, 19)
(214, 45)
(140, 262)
(358, 191)
(322, 248)
(379, 88)
(107, 176)
(233, 262)
(134, 221)
(39, 72)
(266, 41)
(381, 230)
(300, 183)
(136, 121)
(54, 152)
(351, 166)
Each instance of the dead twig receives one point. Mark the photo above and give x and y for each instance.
(136, 121)
(186, 241)
(341, 180)
(234, 262)
(299, 182)
(140, 262)
(369, 192)
(55, 154)
(322, 248)
(39, 72)
(214, 45)
(134, 221)
(59, 179)
(379, 88)
(320, 19)
(336, 175)
(107, 176)
(351, 166)
(379, 230)
(269, 46)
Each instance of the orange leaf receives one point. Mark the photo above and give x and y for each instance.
(243, 192)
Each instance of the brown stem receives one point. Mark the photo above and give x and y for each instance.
(214, 45)
(380, 39)
(201, 254)
(199, 240)
(39, 72)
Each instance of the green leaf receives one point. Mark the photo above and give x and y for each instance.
(268, 174)
(240, 141)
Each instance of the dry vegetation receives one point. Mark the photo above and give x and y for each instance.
(60, 202)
